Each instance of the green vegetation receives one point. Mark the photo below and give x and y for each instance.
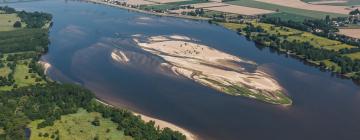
(235, 90)
(293, 35)
(354, 56)
(329, 54)
(7, 21)
(296, 13)
(78, 126)
(57, 111)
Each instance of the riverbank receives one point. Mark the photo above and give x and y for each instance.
(318, 51)
(158, 123)
(148, 12)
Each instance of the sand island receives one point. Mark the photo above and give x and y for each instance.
(213, 68)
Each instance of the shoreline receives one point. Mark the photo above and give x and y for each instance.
(158, 123)
(147, 12)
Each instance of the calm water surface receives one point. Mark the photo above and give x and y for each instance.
(84, 35)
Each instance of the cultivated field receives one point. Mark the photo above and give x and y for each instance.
(302, 5)
(284, 11)
(78, 126)
(139, 2)
(7, 21)
(241, 10)
(355, 33)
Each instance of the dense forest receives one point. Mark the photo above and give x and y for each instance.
(52, 100)
(48, 101)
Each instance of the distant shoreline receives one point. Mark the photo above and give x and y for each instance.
(148, 12)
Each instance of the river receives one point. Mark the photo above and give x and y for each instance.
(82, 38)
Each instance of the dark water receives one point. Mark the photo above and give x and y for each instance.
(83, 36)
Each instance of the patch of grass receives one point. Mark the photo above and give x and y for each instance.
(293, 11)
(354, 55)
(78, 126)
(7, 21)
(24, 78)
(4, 71)
(329, 65)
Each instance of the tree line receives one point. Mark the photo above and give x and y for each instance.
(303, 49)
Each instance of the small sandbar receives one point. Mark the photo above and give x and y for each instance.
(46, 66)
(119, 56)
(214, 68)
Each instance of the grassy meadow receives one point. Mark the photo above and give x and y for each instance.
(7, 21)
(78, 126)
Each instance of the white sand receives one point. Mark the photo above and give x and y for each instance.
(119, 56)
(241, 10)
(206, 65)
(303, 5)
(355, 33)
(45, 65)
(163, 124)
(160, 123)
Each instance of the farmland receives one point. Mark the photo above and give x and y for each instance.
(333, 2)
(301, 13)
(355, 33)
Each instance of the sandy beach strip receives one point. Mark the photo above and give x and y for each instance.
(158, 123)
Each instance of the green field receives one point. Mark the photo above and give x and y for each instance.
(24, 78)
(21, 45)
(293, 34)
(290, 12)
(78, 127)
(7, 21)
